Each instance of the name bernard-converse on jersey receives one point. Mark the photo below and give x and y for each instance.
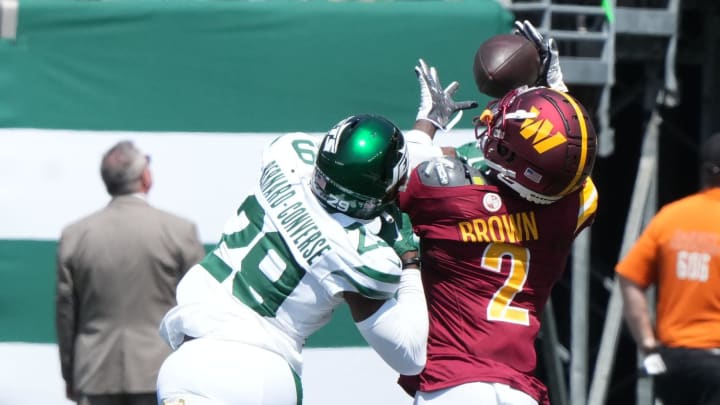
(294, 216)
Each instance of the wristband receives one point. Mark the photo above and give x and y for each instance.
(414, 261)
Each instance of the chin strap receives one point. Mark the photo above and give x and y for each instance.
(526, 193)
(508, 177)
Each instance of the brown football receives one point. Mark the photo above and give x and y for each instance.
(505, 62)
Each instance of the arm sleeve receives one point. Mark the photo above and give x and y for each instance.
(420, 147)
(398, 330)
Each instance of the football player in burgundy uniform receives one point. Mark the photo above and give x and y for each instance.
(493, 244)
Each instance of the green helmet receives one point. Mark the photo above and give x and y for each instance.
(361, 163)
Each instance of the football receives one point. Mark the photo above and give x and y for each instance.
(505, 62)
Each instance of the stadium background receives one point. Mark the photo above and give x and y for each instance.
(201, 86)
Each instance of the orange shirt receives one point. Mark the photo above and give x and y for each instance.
(679, 251)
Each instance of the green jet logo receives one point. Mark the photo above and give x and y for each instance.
(539, 132)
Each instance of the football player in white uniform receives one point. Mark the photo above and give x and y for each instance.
(318, 231)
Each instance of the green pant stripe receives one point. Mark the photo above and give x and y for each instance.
(298, 387)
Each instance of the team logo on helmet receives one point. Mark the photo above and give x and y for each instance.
(539, 132)
(332, 138)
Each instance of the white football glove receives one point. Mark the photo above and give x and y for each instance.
(436, 103)
(551, 74)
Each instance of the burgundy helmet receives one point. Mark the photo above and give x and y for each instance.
(538, 141)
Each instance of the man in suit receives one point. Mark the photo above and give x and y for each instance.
(117, 271)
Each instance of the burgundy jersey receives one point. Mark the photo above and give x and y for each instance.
(489, 262)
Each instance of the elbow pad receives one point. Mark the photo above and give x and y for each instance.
(398, 330)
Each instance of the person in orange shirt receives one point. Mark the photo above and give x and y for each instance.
(679, 252)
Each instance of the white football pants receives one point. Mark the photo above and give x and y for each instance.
(475, 393)
(219, 372)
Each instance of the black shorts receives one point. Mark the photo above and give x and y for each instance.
(692, 377)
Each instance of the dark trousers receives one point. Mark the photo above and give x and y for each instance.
(692, 377)
(118, 399)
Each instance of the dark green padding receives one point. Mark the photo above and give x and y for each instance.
(211, 65)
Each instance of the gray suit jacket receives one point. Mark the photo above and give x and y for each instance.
(117, 271)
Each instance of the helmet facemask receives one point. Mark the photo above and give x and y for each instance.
(339, 198)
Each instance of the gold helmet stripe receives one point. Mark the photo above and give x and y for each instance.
(583, 143)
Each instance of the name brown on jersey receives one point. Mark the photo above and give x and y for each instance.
(512, 228)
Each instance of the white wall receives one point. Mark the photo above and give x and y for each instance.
(30, 375)
(51, 177)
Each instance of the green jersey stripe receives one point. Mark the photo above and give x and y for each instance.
(365, 291)
(377, 275)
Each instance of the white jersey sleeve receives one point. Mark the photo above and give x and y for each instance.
(362, 262)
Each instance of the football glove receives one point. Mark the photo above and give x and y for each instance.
(436, 104)
(551, 74)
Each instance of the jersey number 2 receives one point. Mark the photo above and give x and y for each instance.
(500, 307)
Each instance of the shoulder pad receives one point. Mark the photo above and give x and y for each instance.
(447, 172)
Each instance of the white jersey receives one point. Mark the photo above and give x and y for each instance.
(283, 263)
